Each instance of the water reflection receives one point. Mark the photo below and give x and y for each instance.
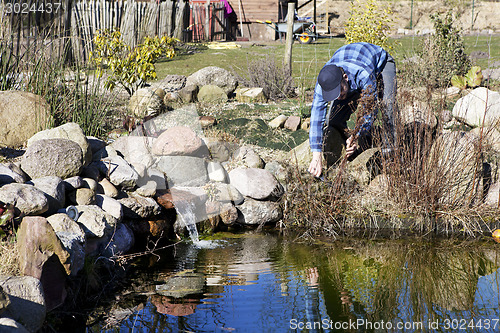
(262, 283)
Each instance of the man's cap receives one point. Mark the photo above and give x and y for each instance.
(329, 79)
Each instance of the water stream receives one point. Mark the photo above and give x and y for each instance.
(258, 282)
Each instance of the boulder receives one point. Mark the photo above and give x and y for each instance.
(95, 221)
(69, 131)
(255, 212)
(110, 206)
(119, 171)
(72, 237)
(248, 157)
(72, 183)
(481, 104)
(216, 172)
(182, 284)
(122, 241)
(52, 157)
(278, 171)
(54, 190)
(224, 193)
(4, 300)
(136, 206)
(135, 149)
(207, 121)
(292, 123)
(212, 94)
(219, 150)
(10, 173)
(27, 199)
(213, 76)
(365, 166)
(251, 95)
(82, 196)
(43, 256)
(180, 141)
(278, 122)
(255, 183)
(27, 301)
(171, 83)
(188, 94)
(8, 325)
(145, 103)
(95, 144)
(183, 170)
(108, 188)
(22, 114)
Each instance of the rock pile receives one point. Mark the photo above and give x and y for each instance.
(78, 196)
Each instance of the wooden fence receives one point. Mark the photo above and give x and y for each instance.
(69, 32)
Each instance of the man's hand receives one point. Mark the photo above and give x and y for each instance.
(351, 146)
(316, 166)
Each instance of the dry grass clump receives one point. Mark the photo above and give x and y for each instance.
(9, 265)
(435, 180)
(274, 78)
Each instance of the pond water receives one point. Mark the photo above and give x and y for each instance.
(262, 282)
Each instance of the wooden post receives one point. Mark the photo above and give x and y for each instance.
(289, 35)
(207, 20)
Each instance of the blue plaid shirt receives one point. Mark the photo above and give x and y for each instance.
(362, 62)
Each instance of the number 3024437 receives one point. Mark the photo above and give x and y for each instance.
(22, 7)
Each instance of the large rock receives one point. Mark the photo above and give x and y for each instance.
(366, 166)
(136, 206)
(182, 284)
(259, 184)
(10, 173)
(254, 212)
(145, 103)
(69, 131)
(52, 157)
(481, 104)
(418, 112)
(8, 325)
(135, 149)
(212, 94)
(251, 95)
(248, 157)
(26, 198)
(119, 171)
(22, 114)
(180, 141)
(213, 76)
(54, 189)
(122, 241)
(183, 170)
(95, 221)
(27, 301)
(43, 256)
(110, 206)
(171, 83)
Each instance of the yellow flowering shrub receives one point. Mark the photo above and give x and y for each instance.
(368, 22)
(129, 67)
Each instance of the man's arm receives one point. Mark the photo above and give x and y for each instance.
(318, 117)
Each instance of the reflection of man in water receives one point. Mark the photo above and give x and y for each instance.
(313, 313)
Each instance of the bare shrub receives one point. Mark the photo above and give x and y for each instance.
(275, 79)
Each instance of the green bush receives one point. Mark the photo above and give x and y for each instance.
(442, 56)
(368, 22)
(130, 67)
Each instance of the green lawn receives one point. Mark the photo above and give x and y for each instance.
(307, 59)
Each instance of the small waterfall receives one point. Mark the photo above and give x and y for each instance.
(186, 211)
